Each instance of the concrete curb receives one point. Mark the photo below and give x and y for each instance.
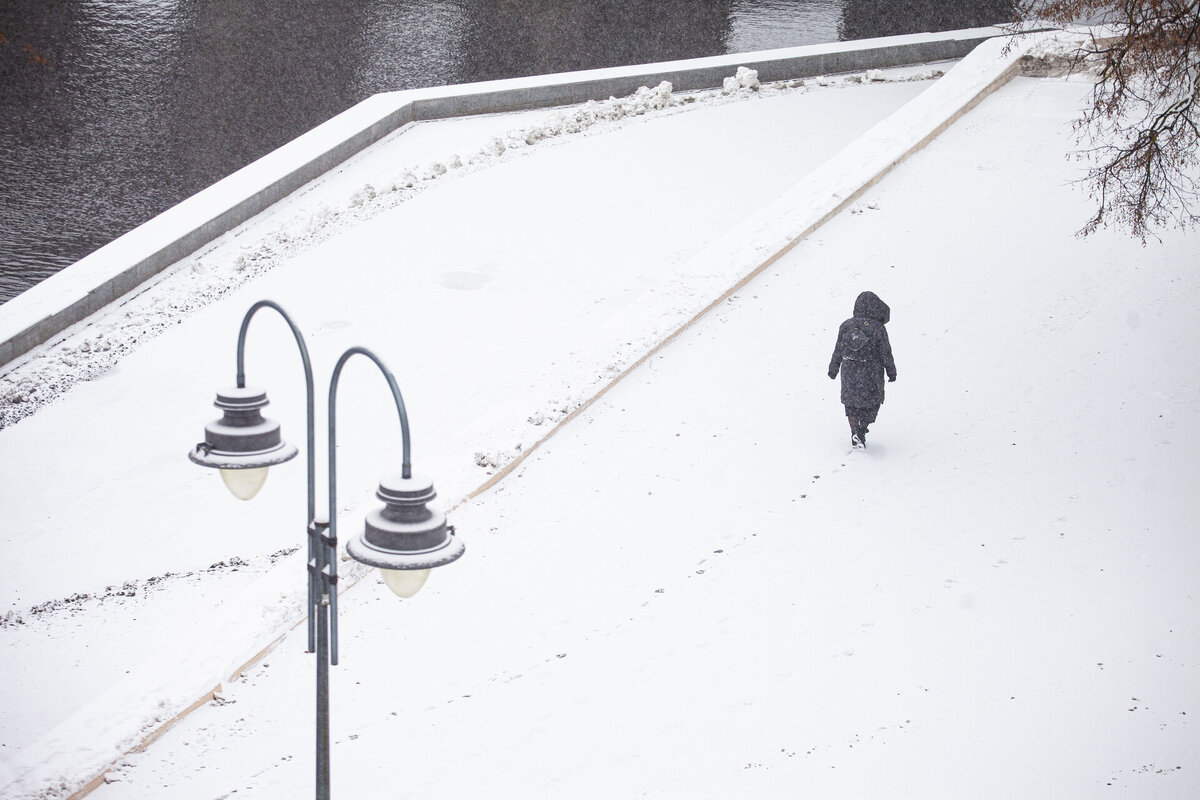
(47, 309)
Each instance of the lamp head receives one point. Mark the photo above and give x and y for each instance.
(405, 538)
(242, 443)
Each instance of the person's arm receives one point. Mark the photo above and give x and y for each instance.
(836, 362)
(885, 352)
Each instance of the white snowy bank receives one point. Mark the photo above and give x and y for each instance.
(492, 381)
(692, 590)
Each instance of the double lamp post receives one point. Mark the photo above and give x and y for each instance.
(405, 538)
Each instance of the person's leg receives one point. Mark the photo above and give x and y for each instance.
(866, 416)
(855, 426)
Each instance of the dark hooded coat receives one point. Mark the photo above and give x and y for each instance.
(863, 353)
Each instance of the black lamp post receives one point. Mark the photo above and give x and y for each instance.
(405, 538)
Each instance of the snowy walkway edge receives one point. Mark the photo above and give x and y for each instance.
(699, 285)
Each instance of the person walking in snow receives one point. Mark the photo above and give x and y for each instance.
(863, 354)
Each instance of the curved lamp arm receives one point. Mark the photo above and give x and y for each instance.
(308, 386)
(406, 454)
(330, 567)
(311, 450)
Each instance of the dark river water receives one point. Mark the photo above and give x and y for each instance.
(112, 111)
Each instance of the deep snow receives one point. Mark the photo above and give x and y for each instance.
(693, 589)
(521, 268)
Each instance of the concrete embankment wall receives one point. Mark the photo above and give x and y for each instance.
(36, 316)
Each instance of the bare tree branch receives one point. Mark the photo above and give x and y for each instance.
(1141, 133)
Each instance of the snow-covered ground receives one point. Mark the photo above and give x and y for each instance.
(693, 589)
(471, 289)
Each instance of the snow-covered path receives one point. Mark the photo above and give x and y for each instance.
(695, 591)
(474, 290)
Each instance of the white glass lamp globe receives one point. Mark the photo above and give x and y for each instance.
(242, 443)
(405, 582)
(244, 483)
(405, 539)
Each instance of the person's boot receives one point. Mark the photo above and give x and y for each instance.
(862, 436)
(856, 439)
